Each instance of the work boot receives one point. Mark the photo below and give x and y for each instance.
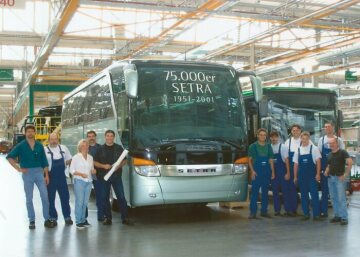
(49, 224)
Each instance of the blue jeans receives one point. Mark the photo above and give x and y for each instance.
(338, 197)
(82, 192)
(31, 177)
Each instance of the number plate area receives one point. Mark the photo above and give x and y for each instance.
(195, 170)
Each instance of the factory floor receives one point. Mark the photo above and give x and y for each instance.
(177, 231)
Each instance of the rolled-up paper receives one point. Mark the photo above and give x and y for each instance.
(116, 164)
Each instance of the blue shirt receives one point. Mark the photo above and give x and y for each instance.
(27, 157)
(93, 149)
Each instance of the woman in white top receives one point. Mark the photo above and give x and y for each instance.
(82, 166)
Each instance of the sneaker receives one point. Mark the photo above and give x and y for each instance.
(80, 226)
(32, 225)
(317, 218)
(277, 214)
(305, 218)
(128, 222)
(265, 215)
(107, 221)
(335, 219)
(69, 222)
(87, 224)
(323, 215)
(343, 222)
(49, 224)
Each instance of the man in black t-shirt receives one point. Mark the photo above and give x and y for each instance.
(104, 159)
(337, 159)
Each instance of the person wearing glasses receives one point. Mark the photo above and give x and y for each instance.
(28, 157)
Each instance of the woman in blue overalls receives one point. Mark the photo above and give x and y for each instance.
(292, 143)
(323, 142)
(58, 181)
(282, 173)
(307, 173)
(262, 171)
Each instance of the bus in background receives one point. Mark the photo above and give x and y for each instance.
(183, 123)
(46, 121)
(281, 107)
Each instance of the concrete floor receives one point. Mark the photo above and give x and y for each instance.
(207, 231)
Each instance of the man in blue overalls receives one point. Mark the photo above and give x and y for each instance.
(58, 157)
(282, 173)
(293, 143)
(262, 171)
(307, 166)
(324, 148)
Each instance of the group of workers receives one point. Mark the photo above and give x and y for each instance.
(299, 163)
(45, 167)
(284, 166)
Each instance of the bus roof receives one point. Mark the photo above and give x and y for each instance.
(249, 93)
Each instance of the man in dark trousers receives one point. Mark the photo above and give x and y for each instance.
(336, 173)
(28, 157)
(105, 157)
(262, 171)
(93, 148)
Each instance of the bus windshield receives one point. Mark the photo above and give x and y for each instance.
(179, 103)
(309, 110)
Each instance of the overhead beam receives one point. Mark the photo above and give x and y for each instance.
(199, 13)
(60, 23)
(310, 74)
(323, 12)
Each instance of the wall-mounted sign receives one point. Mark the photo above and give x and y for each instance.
(13, 4)
(6, 74)
(349, 75)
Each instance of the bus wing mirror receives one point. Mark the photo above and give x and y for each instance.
(256, 84)
(263, 107)
(131, 81)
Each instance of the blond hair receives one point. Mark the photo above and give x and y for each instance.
(305, 133)
(80, 143)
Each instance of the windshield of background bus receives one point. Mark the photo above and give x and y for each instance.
(311, 111)
(185, 103)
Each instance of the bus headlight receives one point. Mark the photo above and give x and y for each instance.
(145, 167)
(148, 171)
(241, 165)
(239, 169)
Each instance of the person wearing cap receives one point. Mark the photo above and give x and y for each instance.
(324, 147)
(28, 157)
(307, 166)
(58, 156)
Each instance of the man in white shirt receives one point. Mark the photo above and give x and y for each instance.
(293, 144)
(307, 166)
(58, 157)
(324, 148)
